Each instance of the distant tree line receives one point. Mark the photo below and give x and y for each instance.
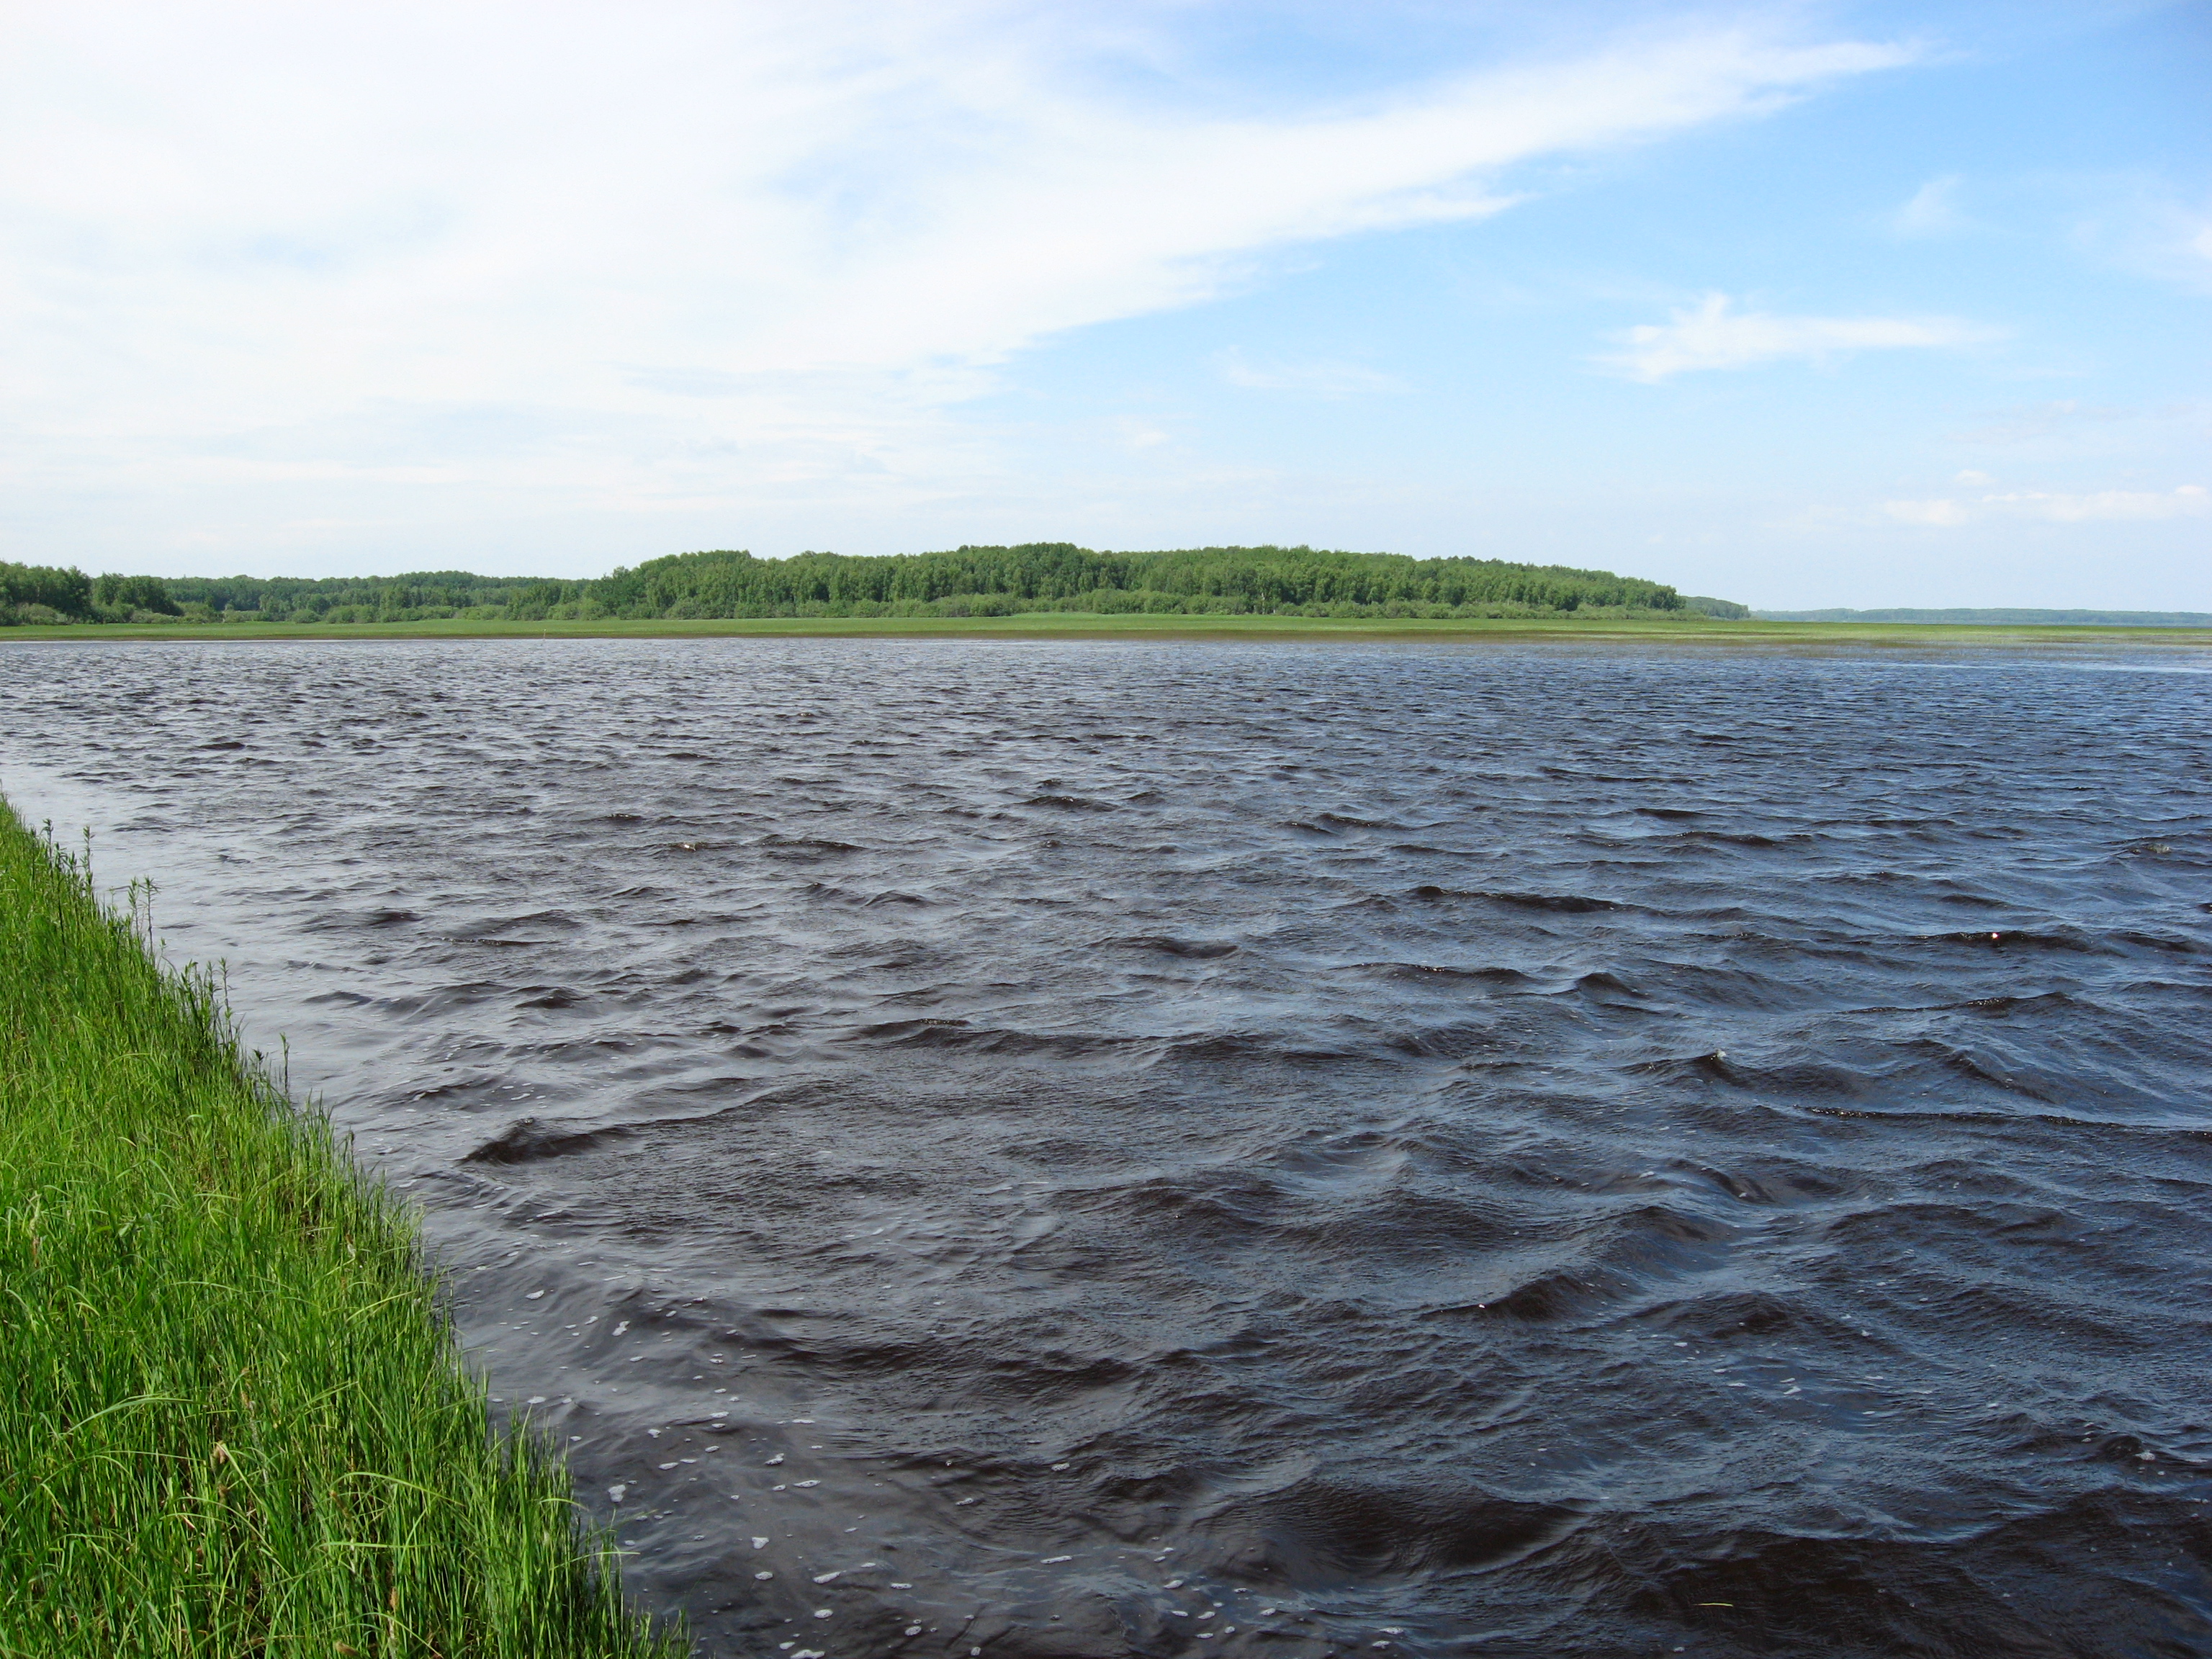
(1728, 610)
(967, 581)
(44, 594)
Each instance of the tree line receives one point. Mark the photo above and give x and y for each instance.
(1037, 576)
(52, 594)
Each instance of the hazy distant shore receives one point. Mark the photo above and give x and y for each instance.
(2003, 617)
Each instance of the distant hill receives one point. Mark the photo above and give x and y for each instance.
(2000, 618)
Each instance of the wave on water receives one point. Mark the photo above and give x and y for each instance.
(1094, 1149)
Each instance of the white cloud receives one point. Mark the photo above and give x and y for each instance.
(2189, 501)
(1139, 435)
(1712, 334)
(1318, 378)
(2145, 226)
(1934, 513)
(2069, 424)
(1933, 209)
(649, 256)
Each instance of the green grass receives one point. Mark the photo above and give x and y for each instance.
(1066, 625)
(233, 1418)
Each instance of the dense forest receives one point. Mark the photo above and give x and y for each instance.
(968, 581)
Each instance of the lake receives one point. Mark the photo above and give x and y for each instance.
(1145, 1148)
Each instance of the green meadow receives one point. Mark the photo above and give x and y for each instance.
(235, 1421)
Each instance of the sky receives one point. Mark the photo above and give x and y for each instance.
(1800, 305)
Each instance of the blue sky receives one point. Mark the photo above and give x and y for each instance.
(1801, 305)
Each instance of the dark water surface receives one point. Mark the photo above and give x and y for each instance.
(1096, 1148)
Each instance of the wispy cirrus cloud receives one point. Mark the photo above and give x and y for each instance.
(2146, 226)
(651, 258)
(1321, 377)
(1941, 511)
(1714, 335)
(1931, 210)
(2057, 507)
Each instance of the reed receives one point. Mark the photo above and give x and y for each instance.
(234, 1420)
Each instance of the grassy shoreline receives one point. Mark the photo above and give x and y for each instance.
(1070, 625)
(235, 1421)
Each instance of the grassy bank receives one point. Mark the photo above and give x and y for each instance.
(233, 1420)
(1680, 628)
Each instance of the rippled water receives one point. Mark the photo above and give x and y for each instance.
(1088, 1149)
